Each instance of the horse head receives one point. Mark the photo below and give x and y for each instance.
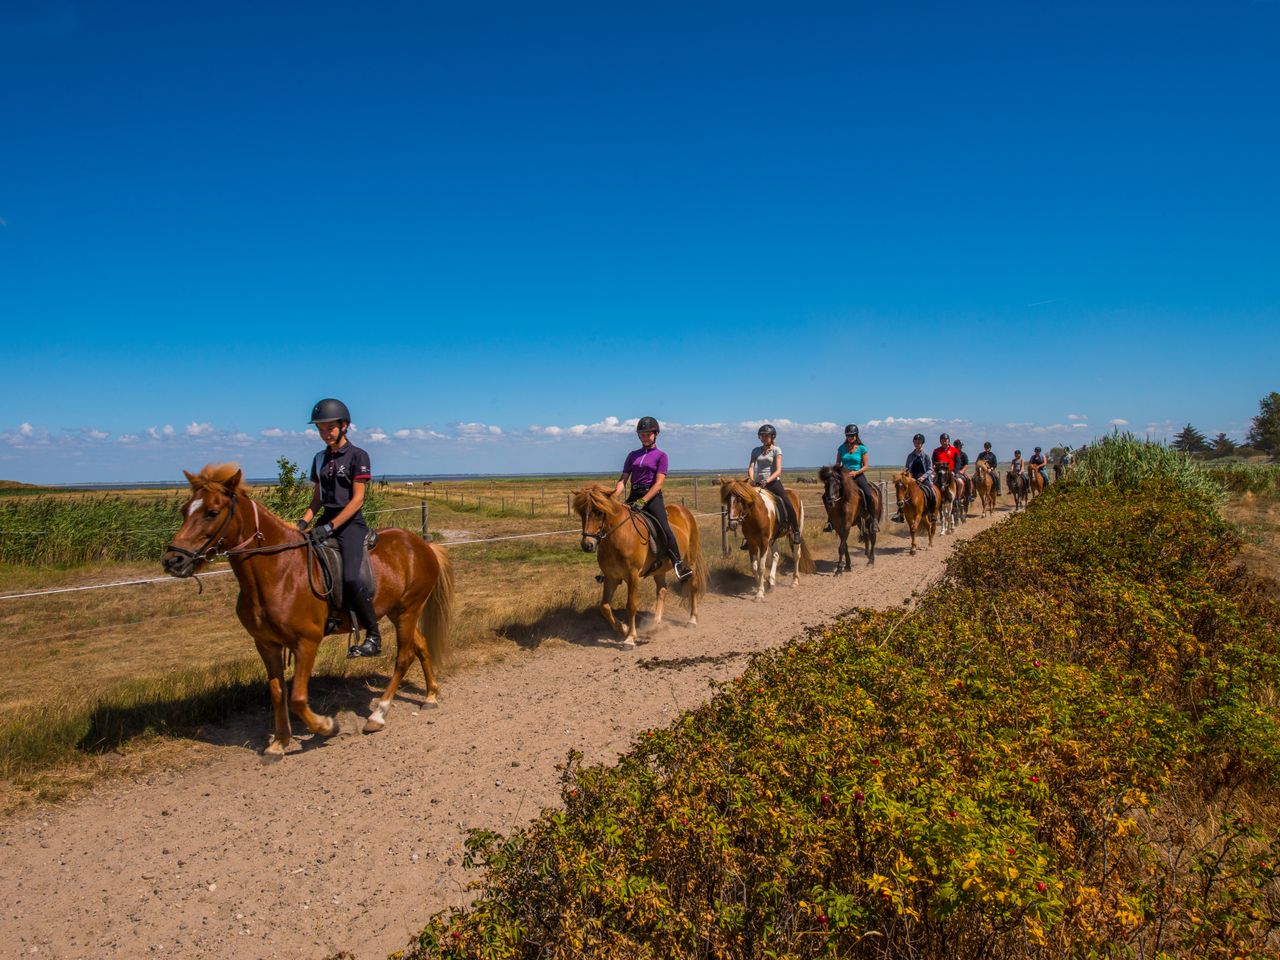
(595, 504)
(833, 479)
(206, 516)
(738, 497)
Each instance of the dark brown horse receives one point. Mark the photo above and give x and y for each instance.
(282, 605)
(914, 506)
(1020, 486)
(622, 544)
(762, 520)
(847, 506)
(944, 482)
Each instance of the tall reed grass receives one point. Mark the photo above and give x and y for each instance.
(1257, 478)
(1123, 461)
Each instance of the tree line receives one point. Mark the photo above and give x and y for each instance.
(1263, 436)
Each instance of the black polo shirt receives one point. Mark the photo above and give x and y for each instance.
(337, 473)
(989, 458)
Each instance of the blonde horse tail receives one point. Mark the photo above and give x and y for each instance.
(807, 566)
(437, 613)
(699, 585)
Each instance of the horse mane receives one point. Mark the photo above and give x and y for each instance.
(598, 496)
(841, 474)
(739, 488)
(217, 475)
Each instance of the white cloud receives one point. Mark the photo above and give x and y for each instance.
(199, 429)
(1118, 422)
(377, 435)
(128, 438)
(419, 433)
(161, 433)
(25, 430)
(92, 433)
(1077, 416)
(786, 426)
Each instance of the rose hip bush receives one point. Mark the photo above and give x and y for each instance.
(1068, 748)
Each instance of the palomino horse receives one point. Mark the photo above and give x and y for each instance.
(914, 506)
(1020, 486)
(762, 519)
(985, 483)
(846, 506)
(626, 552)
(944, 482)
(1037, 482)
(282, 603)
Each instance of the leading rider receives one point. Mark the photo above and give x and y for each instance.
(341, 473)
(765, 470)
(646, 469)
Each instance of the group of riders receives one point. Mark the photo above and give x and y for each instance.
(341, 472)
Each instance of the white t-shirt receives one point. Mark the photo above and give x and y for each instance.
(765, 462)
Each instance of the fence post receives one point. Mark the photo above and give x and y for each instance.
(424, 519)
(724, 531)
(567, 511)
(695, 493)
(531, 506)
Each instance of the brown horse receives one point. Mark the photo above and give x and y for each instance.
(944, 482)
(762, 520)
(846, 506)
(1020, 486)
(282, 604)
(914, 506)
(1037, 482)
(626, 552)
(985, 483)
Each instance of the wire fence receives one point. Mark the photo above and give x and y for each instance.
(424, 511)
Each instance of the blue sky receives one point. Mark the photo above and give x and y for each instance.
(500, 231)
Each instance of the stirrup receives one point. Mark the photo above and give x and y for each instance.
(372, 647)
(681, 571)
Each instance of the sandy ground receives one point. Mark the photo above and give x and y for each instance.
(352, 842)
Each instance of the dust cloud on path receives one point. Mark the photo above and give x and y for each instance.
(353, 842)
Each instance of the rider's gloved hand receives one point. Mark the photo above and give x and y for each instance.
(322, 532)
(637, 505)
(302, 526)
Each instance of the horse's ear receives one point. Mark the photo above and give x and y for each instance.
(234, 482)
(191, 479)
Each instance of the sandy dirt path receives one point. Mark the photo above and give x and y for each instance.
(354, 841)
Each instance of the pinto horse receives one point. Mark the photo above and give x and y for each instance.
(944, 482)
(1020, 486)
(914, 506)
(985, 483)
(846, 506)
(282, 602)
(762, 520)
(626, 552)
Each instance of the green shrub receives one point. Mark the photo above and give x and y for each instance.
(991, 774)
(1124, 461)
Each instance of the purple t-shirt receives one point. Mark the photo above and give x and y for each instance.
(644, 466)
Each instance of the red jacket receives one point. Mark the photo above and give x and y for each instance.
(947, 455)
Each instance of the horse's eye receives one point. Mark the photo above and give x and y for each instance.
(210, 514)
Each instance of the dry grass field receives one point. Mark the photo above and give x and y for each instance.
(116, 679)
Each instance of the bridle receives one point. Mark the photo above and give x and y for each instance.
(213, 546)
(601, 535)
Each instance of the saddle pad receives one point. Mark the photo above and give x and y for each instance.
(330, 558)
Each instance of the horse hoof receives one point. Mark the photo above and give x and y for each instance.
(331, 729)
(274, 749)
(693, 621)
(432, 700)
(373, 726)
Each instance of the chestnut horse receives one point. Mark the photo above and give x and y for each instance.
(1037, 482)
(846, 506)
(626, 552)
(762, 519)
(1020, 486)
(914, 506)
(944, 482)
(281, 601)
(985, 483)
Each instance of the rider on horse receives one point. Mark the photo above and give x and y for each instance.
(1016, 465)
(1041, 463)
(919, 468)
(647, 470)
(341, 473)
(765, 469)
(852, 455)
(989, 458)
(962, 464)
(945, 453)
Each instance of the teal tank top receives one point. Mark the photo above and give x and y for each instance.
(852, 459)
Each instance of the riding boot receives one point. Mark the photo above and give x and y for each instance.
(362, 608)
(678, 567)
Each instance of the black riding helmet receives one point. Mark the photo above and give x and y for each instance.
(645, 424)
(767, 429)
(918, 438)
(944, 438)
(851, 430)
(959, 444)
(330, 409)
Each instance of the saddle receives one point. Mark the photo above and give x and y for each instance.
(330, 558)
(930, 497)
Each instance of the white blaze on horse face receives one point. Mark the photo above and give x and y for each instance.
(195, 505)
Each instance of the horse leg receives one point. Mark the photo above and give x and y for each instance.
(774, 555)
(871, 543)
(273, 657)
(660, 582)
(842, 550)
(406, 642)
(633, 603)
(606, 606)
(306, 659)
(759, 565)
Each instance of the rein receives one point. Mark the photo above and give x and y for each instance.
(599, 537)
